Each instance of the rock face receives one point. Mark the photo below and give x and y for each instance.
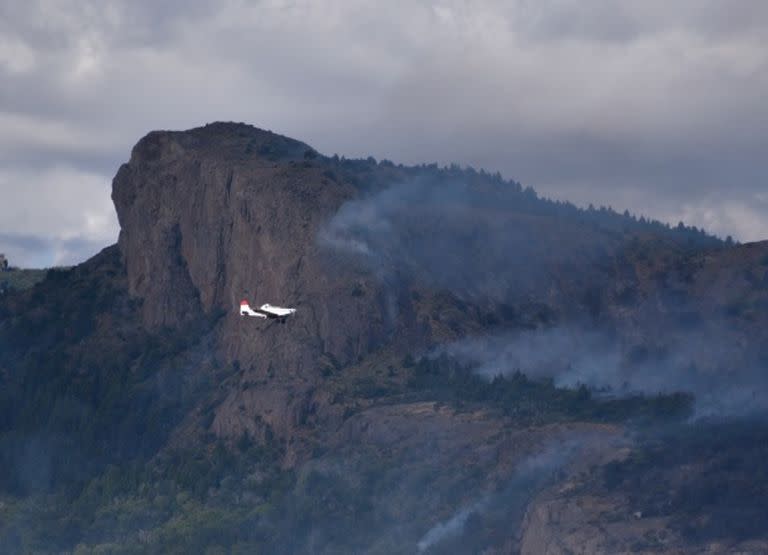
(562, 524)
(226, 212)
(690, 489)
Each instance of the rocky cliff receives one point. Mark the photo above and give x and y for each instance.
(372, 421)
(226, 212)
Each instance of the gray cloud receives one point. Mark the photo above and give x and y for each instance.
(54, 216)
(657, 104)
(43, 252)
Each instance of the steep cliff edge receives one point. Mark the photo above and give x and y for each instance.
(226, 212)
(693, 489)
(146, 412)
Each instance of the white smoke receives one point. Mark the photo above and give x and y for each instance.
(452, 527)
(445, 233)
(529, 476)
(572, 357)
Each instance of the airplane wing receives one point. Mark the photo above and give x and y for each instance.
(277, 310)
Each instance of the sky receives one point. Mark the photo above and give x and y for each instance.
(653, 106)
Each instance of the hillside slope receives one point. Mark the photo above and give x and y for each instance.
(156, 417)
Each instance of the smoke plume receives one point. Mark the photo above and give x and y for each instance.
(509, 503)
(574, 356)
(481, 241)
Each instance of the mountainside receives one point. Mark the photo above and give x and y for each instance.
(15, 278)
(466, 361)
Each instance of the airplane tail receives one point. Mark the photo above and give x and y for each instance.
(246, 310)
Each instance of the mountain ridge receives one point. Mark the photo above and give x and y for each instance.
(139, 358)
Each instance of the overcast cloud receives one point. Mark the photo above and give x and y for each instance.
(653, 106)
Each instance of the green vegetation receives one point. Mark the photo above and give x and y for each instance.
(85, 418)
(180, 502)
(16, 279)
(529, 401)
(368, 174)
(88, 390)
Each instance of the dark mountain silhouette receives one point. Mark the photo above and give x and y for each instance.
(461, 349)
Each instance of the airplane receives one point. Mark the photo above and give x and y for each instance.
(266, 311)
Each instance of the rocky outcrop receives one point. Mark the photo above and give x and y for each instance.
(564, 524)
(226, 212)
(688, 489)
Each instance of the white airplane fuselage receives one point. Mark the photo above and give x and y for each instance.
(266, 311)
(276, 311)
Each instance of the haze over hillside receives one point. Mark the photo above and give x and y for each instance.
(471, 368)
